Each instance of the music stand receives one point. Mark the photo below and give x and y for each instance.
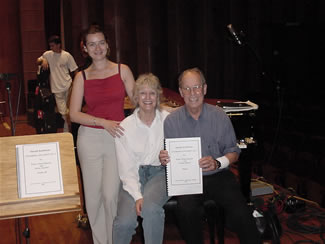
(11, 206)
(7, 77)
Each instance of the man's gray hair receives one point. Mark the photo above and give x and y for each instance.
(193, 70)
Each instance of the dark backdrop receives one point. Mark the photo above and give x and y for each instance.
(280, 68)
(166, 37)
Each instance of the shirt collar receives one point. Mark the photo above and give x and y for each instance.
(202, 114)
(158, 117)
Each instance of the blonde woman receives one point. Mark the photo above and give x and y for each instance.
(143, 178)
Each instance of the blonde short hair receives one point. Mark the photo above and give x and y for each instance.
(150, 80)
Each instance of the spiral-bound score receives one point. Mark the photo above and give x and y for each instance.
(183, 173)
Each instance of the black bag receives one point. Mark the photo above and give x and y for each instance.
(43, 78)
(48, 100)
(45, 122)
(44, 100)
(267, 222)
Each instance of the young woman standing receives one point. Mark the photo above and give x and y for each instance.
(103, 86)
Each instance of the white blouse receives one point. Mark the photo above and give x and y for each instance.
(140, 145)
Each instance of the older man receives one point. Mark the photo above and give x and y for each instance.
(219, 150)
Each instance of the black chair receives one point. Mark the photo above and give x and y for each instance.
(214, 216)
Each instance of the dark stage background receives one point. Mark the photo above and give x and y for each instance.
(280, 68)
(166, 37)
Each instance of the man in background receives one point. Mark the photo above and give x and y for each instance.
(62, 70)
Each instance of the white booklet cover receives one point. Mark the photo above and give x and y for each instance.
(184, 175)
(39, 169)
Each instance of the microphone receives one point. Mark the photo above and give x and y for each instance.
(234, 35)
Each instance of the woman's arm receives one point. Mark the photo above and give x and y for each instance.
(128, 79)
(76, 103)
(127, 168)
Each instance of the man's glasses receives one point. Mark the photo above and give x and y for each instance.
(196, 89)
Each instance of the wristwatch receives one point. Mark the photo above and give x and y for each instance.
(218, 164)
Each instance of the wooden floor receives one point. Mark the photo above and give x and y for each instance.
(65, 229)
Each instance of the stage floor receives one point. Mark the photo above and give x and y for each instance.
(63, 228)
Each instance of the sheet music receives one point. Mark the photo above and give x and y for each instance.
(39, 169)
(237, 106)
(184, 175)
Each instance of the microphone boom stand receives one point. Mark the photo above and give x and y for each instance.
(240, 41)
(7, 78)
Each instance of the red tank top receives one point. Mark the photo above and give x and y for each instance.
(105, 97)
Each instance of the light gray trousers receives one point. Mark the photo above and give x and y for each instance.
(96, 151)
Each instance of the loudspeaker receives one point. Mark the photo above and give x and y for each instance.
(31, 100)
(32, 84)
